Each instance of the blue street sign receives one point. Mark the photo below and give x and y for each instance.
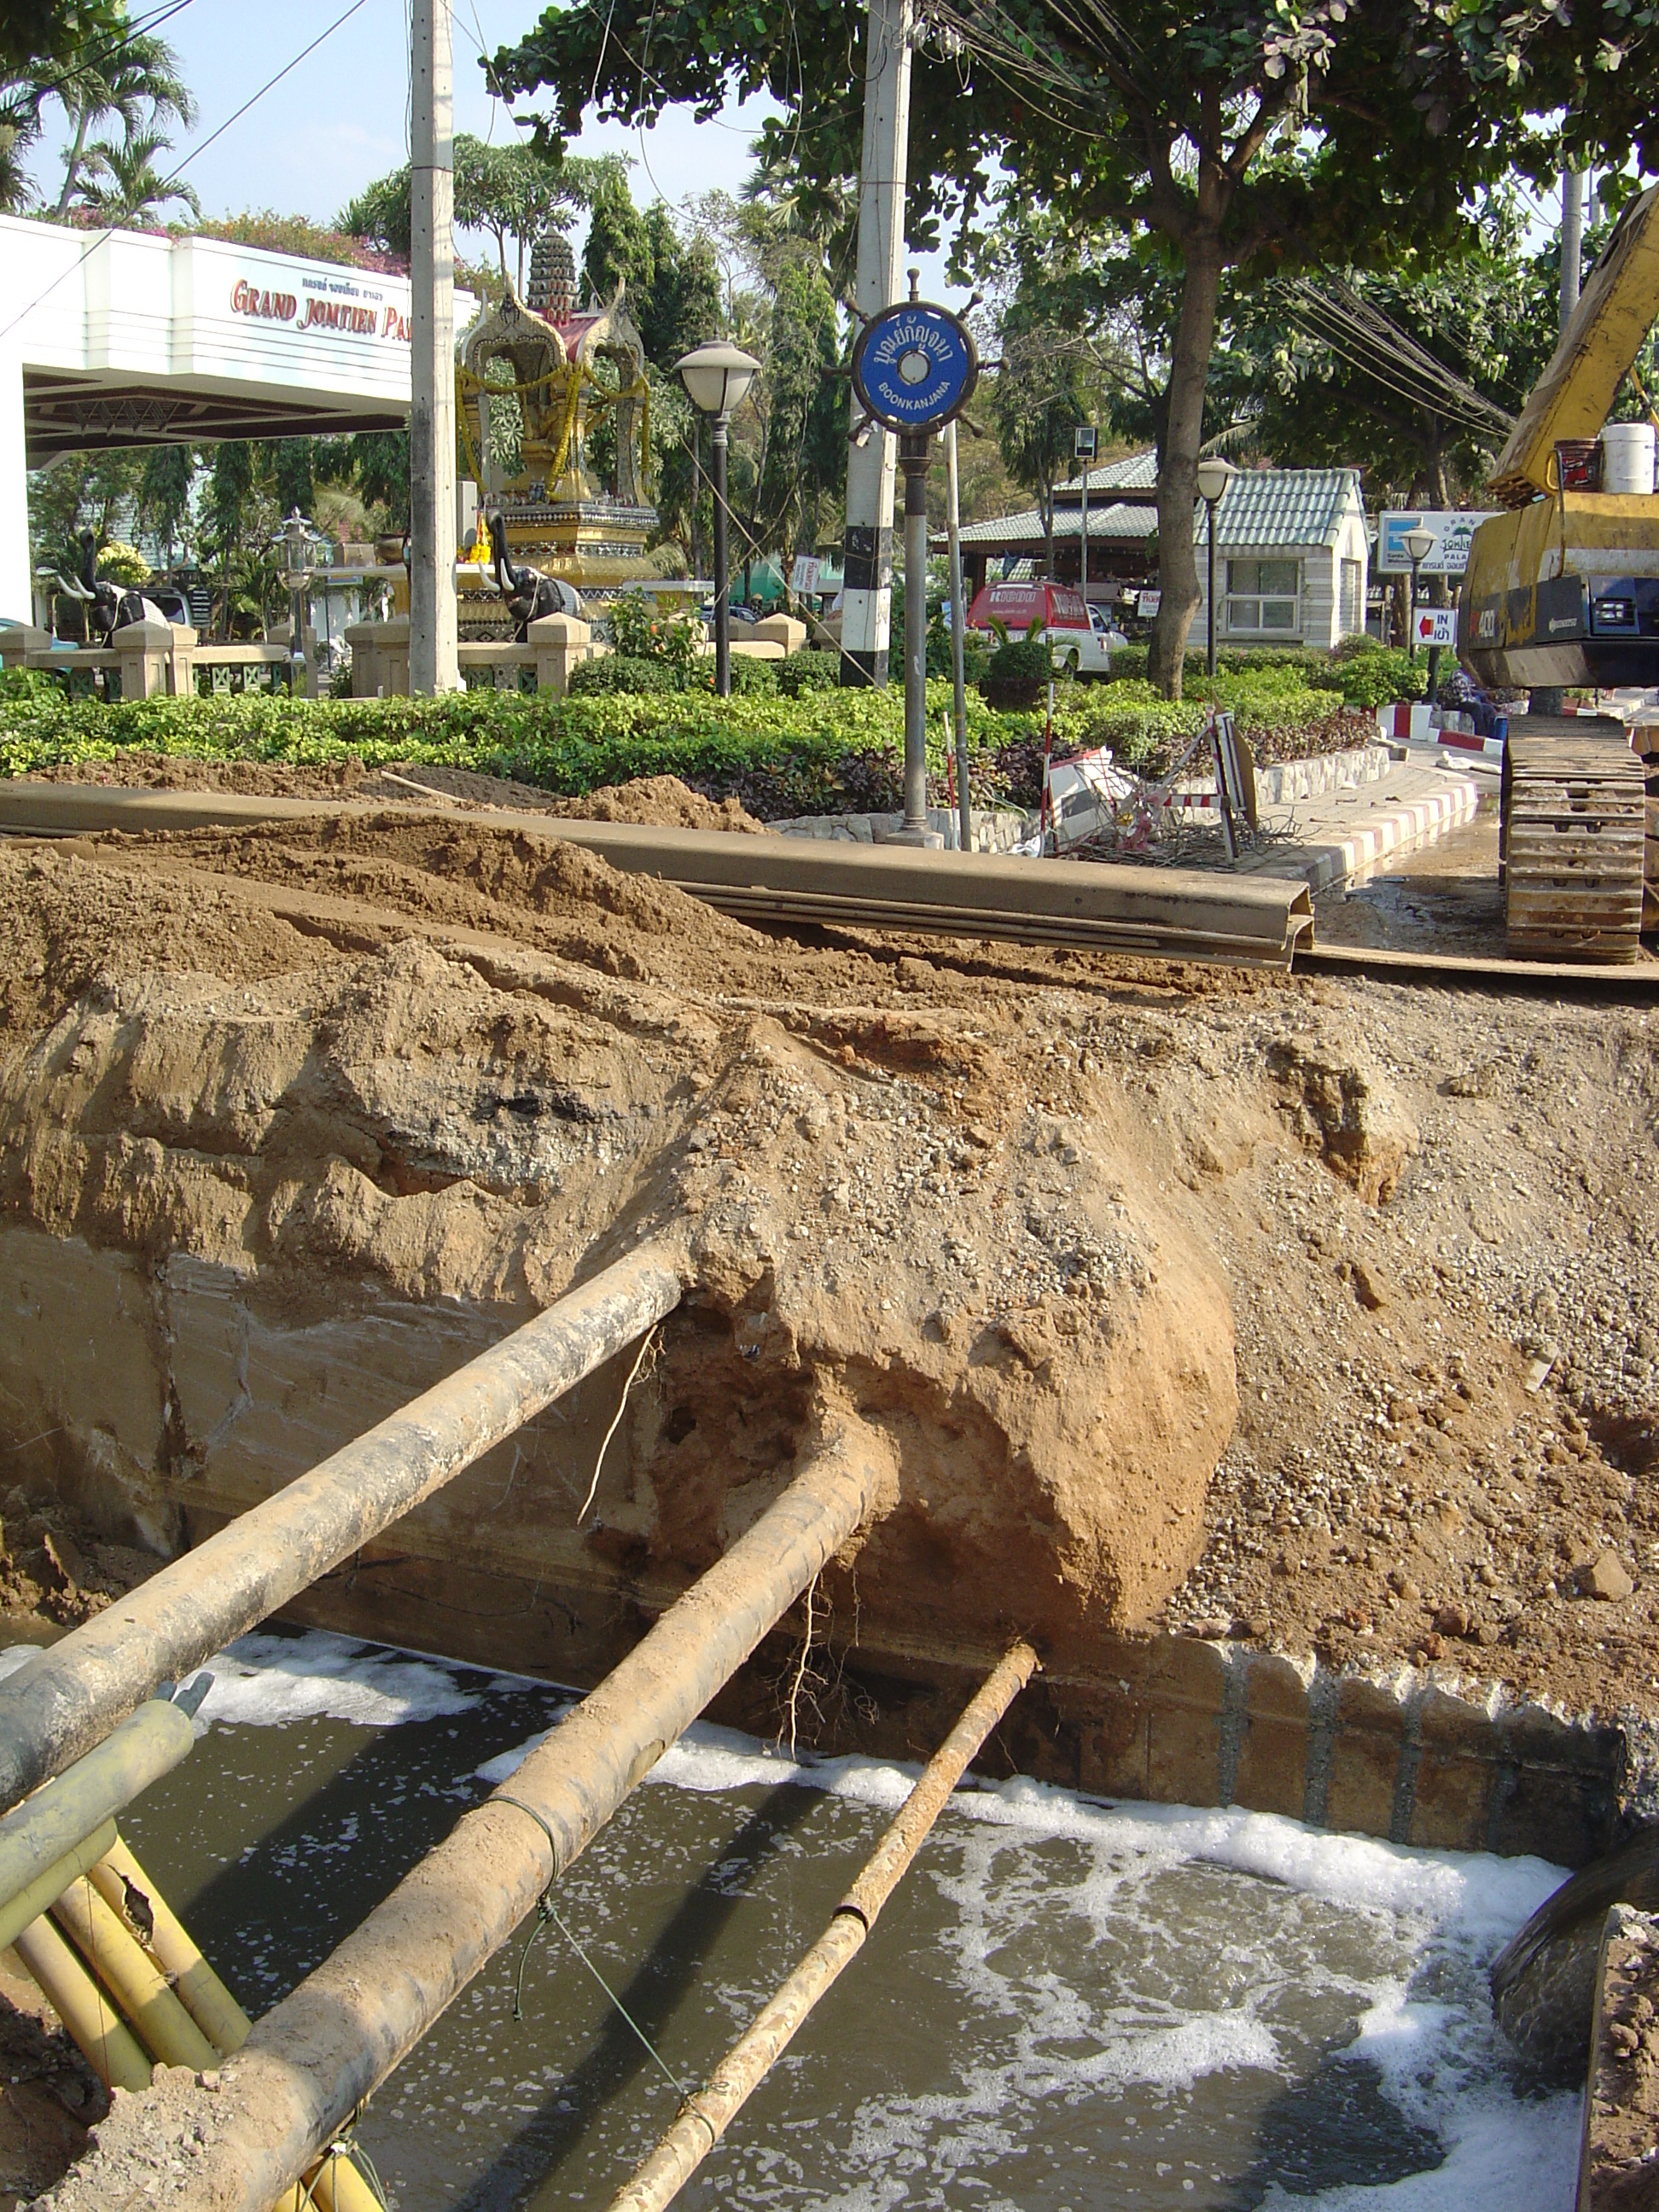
(915, 365)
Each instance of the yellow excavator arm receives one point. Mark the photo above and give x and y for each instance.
(1615, 311)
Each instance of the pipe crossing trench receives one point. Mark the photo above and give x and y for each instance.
(252, 2109)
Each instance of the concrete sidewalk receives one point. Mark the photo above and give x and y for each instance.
(1341, 834)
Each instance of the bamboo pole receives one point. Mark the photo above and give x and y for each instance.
(194, 1983)
(333, 2185)
(163, 2026)
(107, 2044)
(44, 1892)
(70, 1695)
(707, 2113)
(36, 1835)
(314, 2059)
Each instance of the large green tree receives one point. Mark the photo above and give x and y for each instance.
(512, 194)
(1256, 135)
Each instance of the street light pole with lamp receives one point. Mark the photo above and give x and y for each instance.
(297, 541)
(1419, 544)
(716, 376)
(1214, 474)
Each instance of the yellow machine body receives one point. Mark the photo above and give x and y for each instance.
(1563, 593)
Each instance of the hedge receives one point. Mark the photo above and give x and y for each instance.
(818, 751)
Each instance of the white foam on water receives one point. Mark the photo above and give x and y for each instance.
(1090, 1965)
(267, 1681)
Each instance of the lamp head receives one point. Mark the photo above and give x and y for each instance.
(1419, 544)
(1214, 474)
(716, 375)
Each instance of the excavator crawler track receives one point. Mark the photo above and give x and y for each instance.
(1573, 840)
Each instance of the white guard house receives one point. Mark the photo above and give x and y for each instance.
(119, 338)
(1290, 559)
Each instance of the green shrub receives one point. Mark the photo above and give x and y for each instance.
(752, 677)
(641, 630)
(622, 671)
(1021, 660)
(1372, 678)
(808, 671)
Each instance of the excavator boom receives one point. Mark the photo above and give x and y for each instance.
(1615, 311)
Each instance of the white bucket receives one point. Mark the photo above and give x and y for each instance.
(1627, 458)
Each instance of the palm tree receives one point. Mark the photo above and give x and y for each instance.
(122, 182)
(136, 84)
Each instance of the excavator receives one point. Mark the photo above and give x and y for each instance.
(1562, 593)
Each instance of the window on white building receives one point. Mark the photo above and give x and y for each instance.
(1353, 599)
(1264, 598)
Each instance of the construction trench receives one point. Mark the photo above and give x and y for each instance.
(481, 1238)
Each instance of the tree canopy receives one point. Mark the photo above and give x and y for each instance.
(1262, 136)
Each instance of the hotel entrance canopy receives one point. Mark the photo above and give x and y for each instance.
(121, 338)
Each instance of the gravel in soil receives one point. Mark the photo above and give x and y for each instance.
(1434, 1214)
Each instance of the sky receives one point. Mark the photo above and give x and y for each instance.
(341, 118)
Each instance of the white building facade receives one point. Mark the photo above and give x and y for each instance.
(1292, 559)
(120, 339)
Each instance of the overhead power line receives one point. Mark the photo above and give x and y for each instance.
(105, 235)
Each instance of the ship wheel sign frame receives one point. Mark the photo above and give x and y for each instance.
(915, 365)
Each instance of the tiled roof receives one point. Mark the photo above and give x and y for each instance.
(1135, 472)
(1260, 508)
(1281, 506)
(1116, 523)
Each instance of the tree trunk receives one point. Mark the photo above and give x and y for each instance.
(72, 166)
(1047, 526)
(1178, 478)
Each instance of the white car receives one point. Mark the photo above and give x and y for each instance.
(1085, 653)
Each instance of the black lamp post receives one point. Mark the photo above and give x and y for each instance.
(716, 375)
(1419, 544)
(297, 543)
(1214, 474)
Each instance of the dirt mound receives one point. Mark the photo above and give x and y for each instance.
(649, 801)
(405, 1124)
(148, 771)
(660, 802)
(1069, 1231)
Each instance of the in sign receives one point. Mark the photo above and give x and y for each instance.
(1437, 626)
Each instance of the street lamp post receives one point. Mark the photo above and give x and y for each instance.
(1214, 474)
(716, 375)
(297, 543)
(1419, 544)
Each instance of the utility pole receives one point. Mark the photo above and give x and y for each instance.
(959, 620)
(867, 550)
(433, 662)
(1572, 240)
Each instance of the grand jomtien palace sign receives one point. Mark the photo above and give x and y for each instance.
(361, 313)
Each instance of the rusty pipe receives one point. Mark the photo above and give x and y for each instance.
(708, 2111)
(315, 2056)
(70, 1697)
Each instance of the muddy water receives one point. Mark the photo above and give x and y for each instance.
(1068, 2006)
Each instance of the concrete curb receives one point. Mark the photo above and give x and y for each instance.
(1390, 834)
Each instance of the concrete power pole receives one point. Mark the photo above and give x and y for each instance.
(433, 665)
(1572, 240)
(868, 546)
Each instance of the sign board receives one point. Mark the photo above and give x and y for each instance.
(1435, 626)
(1083, 442)
(915, 365)
(1449, 555)
(804, 575)
(1148, 603)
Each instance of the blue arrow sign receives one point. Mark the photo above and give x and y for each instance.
(915, 365)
